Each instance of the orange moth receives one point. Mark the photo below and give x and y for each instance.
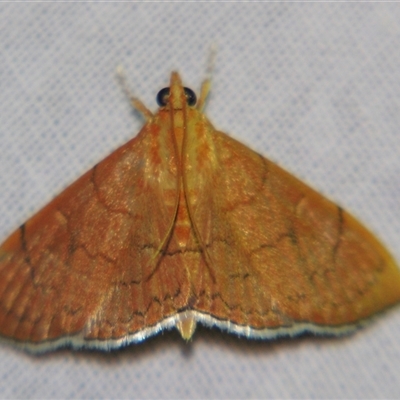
(183, 224)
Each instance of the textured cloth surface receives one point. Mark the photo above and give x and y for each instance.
(313, 86)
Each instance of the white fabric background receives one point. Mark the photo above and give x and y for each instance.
(315, 86)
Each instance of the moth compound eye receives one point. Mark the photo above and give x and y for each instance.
(190, 96)
(162, 97)
(163, 94)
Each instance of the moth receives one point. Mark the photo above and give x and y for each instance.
(184, 225)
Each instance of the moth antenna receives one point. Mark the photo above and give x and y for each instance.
(206, 85)
(212, 55)
(135, 102)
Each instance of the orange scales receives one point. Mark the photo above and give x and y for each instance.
(184, 224)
